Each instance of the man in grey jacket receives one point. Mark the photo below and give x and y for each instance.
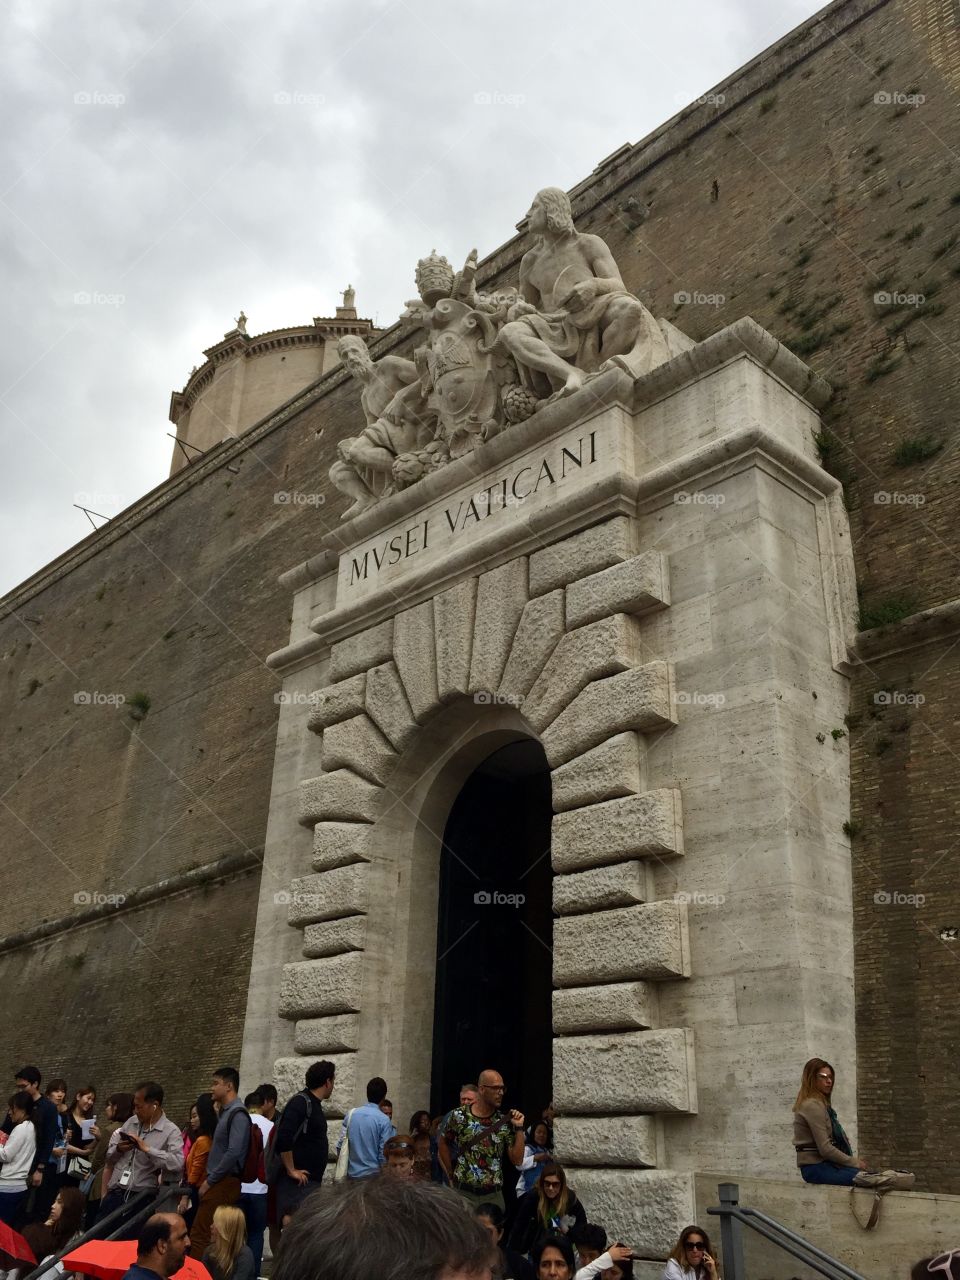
(231, 1140)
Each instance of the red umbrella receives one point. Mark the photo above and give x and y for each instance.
(14, 1246)
(109, 1259)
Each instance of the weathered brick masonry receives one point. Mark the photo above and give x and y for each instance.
(797, 200)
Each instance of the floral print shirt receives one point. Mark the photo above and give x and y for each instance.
(479, 1162)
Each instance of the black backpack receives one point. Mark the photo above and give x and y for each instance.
(273, 1164)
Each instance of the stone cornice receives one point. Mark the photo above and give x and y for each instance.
(929, 626)
(233, 864)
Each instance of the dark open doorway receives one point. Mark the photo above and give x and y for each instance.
(494, 935)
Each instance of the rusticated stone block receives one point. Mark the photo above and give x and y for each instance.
(415, 654)
(639, 585)
(501, 595)
(337, 702)
(623, 1141)
(585, 553)
(359, 745)
(328, 895)
(289, 1075)
(623, 884)
(388, 707)
(362, 651)
(645, 1206)
(606, 772)
(453, 615)
(538, 634)
(603, 648)
(647, 941)
(338, 796)
(617, 1006)
(641, 699)
(629, 1072)
(647, 825)
(312, 988)
(333, 937)
(336, 844)
(339, 1034)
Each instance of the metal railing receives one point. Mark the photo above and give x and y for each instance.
(734, 1217)
(128, 1219)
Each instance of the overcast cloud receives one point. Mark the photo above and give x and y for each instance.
(179, 161)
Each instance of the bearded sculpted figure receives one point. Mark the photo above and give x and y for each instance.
(576, 317)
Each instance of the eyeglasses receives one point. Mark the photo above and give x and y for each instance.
(824, 1075)
(944, 1262)
(695, 1244)
(551, 1182)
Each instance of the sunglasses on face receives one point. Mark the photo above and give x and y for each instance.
(695, 1244)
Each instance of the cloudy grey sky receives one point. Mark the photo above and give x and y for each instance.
(180, 161)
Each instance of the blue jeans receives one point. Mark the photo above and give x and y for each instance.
(255, 1211)
(834, 1175)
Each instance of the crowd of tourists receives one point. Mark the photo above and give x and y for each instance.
(247, 1172)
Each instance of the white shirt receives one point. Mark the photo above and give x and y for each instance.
(674, 1271)
(258, 1188)
(16, 1156)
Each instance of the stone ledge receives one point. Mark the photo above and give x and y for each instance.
(639, 700)
(337, 702)
(313, 988)
(333, 937)
(340, 797)
(289, 1073)
(624, 1141)
(337, 1034)
(621, 885)
(616, 1006)
(328, 895)
(622, 945)
(636, 586)
(645, 825)
(605, 772)
(644, 1207)
(337, 844)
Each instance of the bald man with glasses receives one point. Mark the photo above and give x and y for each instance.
(481, 1133)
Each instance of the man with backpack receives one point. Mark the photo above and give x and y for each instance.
(233, 1139)
(301, 1145)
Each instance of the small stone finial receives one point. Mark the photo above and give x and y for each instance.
(349, 297)
(242, 322)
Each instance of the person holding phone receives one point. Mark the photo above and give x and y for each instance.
(147, 1148)
(691, 1257)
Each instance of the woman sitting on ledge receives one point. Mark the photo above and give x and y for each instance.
(824, 1153)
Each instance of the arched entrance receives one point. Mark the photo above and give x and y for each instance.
(492, 1002)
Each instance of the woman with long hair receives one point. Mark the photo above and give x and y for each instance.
(78, 1148)
(823, 1149)
(62, 1224)
(537, 1151)
(691, 1257)
(196, 1167)
(422, 1145)
(117, 1110)
(553, 1258)
(228, 1256)
(16, 1156)
(550, 1209)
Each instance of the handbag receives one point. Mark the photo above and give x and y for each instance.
(880, 1183)
(343, 1156)
(79, 1167)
